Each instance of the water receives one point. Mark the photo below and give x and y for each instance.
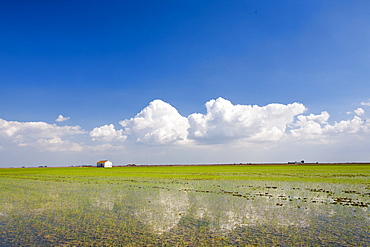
(184, 213)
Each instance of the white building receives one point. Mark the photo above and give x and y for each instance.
(104, 163)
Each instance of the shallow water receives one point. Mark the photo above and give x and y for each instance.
(183, 213)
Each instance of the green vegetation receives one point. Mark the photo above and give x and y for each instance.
(186, 205)
(353, 173)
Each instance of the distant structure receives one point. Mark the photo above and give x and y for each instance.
(104, 163)
(296, 162)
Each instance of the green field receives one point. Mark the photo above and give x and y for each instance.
(234, 205)
(331, 173)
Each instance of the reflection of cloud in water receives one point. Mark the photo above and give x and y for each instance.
(6, 208)
(230, 221)
(103, 202)
(164, 210)
(239, 212)
(367, 216)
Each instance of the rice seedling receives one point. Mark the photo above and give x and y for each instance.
(186, 206)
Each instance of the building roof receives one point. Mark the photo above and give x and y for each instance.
(102, 161)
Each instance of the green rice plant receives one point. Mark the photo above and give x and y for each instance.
(186, 206)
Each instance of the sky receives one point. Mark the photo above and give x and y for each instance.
(184, 82)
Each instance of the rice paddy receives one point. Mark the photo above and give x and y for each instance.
(236, 205)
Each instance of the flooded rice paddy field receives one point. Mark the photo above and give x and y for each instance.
(92, 207)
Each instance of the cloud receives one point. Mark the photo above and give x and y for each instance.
(352, 126)
(29, 133)
(225, 121)
(317, 127)
(60, 118)
(274, 132)
(310, 127)
(359, 111)
(365, 103)
(158, 123)
(107, 133)
(56, 145)
(161, 124)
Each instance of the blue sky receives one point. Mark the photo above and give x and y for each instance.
(98, 63)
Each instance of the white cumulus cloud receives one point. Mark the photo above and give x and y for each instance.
(225, 121)
(107, 133)
(366, 103)
(60, 118)
(57, 145)
(359, 111)
(161, 124)
(352, 126)
(158, 123)
(29, 133)
(241, 132)
(317, 127)
(310, 127)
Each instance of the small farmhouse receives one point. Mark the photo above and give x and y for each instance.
(104, 163)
